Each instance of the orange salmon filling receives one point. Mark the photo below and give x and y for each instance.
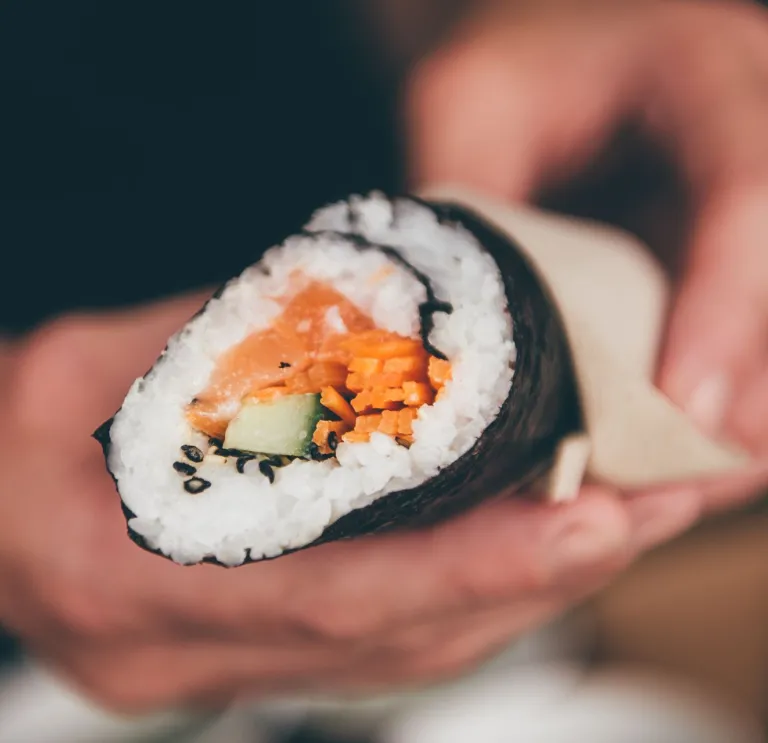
(371, 379)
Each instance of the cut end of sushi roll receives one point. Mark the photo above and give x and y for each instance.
(354, 379)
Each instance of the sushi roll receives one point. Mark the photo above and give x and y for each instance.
(395, 363)
(391, 365)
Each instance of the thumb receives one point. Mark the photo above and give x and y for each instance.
(717, 340)
(82, 365)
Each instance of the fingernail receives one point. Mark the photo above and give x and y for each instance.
(660, 516)
(583, 547)
(708, 403)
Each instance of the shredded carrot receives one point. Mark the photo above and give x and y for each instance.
(365, 366)
(439, 372)
(386, 398)
(363, 401)
(356, 437)
(368, 423)
(416, 394)
(381, 344)
(413, 367)
(389, 420)
(405, 420)
(332, 399)
(386, 379)
(322, 434)
(356, 382)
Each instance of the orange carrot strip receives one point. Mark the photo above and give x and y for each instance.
(381, 344)
(439, 372)
(362, 401)
(368, 423)
(417, 393)
(331, 399)
(324, 430)
(356, 437)
(405, 420)
(356, 382)
(414, 367)
(365, 366)
(386, 398)
(388, 425)
(386, 379)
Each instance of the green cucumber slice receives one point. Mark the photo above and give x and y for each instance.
(284, 425)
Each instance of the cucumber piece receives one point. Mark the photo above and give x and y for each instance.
(281, 426)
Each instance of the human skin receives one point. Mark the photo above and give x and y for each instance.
(137, 632)
(514, 105)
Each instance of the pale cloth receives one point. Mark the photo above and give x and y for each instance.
(612, 297)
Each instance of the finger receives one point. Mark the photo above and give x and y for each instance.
(82, 365)
(749, 420)
(717, 341)
(712, 115)
(138, 678)
(501, 551)
(658, 515)
(452, 653)
(141, 331)
(536, 103)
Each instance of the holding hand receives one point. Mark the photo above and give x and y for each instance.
(139, 632)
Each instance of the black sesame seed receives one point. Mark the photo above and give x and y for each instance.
(238, 453)
(183, 468)
(192, 453)
(284, 365)
(196, 485)
(242, 461)
(227, 452)
(266, 470)
(333, 440)
(314, 453)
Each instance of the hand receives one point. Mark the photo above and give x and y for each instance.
(137, 632)
(519, 106)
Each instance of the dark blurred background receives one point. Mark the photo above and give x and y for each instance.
(147, 147)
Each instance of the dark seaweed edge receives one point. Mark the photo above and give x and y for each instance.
(542, 407)
(427, 309)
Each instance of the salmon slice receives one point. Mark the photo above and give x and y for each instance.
(302, 352)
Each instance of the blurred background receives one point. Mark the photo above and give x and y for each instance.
(139, 139)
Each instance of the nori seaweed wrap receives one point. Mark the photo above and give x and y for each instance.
(397, 362)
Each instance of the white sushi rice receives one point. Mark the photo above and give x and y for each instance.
(242, 512)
